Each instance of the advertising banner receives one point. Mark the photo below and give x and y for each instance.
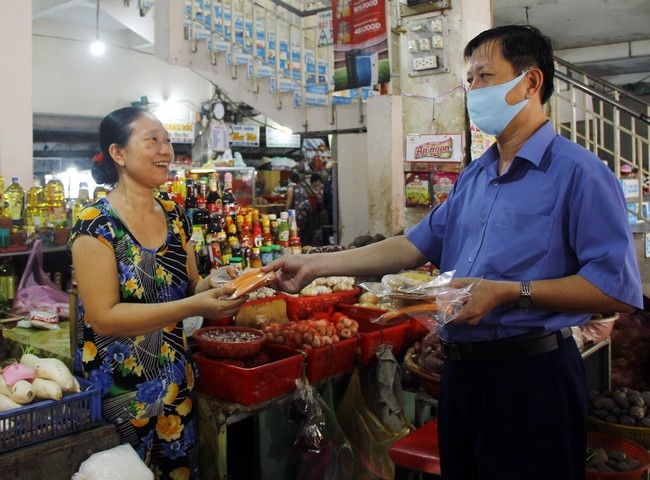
(434, 148)
(360, 43)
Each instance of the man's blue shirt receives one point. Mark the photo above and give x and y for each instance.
(558, 211)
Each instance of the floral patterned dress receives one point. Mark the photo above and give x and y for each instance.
(146, 379)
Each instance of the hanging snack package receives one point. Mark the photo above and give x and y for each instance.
(247, 281)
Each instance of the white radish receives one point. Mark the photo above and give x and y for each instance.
(51, 369)
(47, 389)
(22, 392)
(4, 388)
(7, 403)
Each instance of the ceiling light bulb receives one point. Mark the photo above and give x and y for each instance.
(97, 47)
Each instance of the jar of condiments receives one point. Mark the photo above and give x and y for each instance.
(238, 263)
(266, 254)
(276, 250)
(255, 260)
(294, 244)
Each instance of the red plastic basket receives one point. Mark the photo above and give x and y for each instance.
(629, 448)
(299, 308)
(372, 335)
(248, 386)
(325, 362)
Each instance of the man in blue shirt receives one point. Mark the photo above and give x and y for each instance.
(543, 223)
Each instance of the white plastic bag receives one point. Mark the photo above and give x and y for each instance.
(118, 463)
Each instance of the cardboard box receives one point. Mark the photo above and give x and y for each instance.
(630, 187)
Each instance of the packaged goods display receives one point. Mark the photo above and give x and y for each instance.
(233, 234)
(41, 212)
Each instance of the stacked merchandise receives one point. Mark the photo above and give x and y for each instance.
(225, 233)
(38, 212)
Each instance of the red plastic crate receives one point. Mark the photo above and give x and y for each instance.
(325, 362)
(262, 311)
(299, 308)
(248, 386)
(372, 335)
(358, 312)
(415, 329)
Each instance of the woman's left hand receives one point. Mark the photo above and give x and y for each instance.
(216, 302)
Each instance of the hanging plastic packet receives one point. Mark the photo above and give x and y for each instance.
(246, 282)
(433, 303)
(307, 410)
(402, 286)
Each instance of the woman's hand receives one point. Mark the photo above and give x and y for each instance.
(216, 302)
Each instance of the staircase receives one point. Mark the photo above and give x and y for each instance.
(265, 54)
(609, 121)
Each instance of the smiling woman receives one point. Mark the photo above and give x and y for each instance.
(138, 280)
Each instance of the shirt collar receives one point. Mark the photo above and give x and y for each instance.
(533, 150)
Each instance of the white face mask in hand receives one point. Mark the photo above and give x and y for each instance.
(488, 108)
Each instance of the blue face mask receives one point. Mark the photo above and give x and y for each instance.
(488, 108)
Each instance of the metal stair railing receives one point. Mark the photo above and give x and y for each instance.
(607, 120)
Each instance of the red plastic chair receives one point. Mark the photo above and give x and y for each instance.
(417, 452)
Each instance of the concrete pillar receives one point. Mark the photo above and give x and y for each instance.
(16, 138)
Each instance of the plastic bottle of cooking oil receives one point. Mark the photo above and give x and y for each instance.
(7, 283)
(15, 203)
(55, 196)
(34, 199)
(81, 201)
(100, 192)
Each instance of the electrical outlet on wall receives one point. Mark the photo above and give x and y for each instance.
(425, 44)
(436, 25)
(437, 41)
(425, 63)
(413, 46)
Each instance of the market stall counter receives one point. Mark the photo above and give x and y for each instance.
(46, 343)
(61, 433)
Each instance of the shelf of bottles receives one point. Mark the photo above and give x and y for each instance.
(27, 214)
(226, 228)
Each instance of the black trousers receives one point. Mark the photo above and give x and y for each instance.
(515, 419)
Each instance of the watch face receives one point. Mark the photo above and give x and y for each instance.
(219, 111)
(524, 303)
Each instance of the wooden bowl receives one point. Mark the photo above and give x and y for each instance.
(429, 381)
(229, 341)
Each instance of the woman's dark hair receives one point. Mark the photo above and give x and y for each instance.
(315, 177)
(524, 46)
(116, 127)
(295, 177)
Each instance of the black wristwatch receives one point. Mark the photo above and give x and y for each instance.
(525, 296)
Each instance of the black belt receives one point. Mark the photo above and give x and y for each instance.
(520, 346)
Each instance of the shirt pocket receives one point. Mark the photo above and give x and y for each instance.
(520, 244)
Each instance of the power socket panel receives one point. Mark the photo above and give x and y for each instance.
(429, 62)
(427, 40)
